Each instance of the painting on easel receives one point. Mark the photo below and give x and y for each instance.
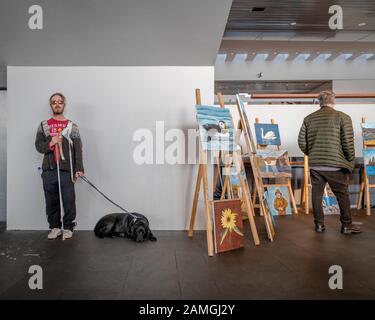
(330, 204)
(235, 183)
(278, 200)
(369, 161)
(215, 128)
(228, 226)
(267, 134)
(368, 134)
(273, 163)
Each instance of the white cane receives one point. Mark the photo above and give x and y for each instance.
(62, 213)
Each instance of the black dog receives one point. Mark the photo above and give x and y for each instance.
(128, 225)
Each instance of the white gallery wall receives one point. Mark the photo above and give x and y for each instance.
(109, 104)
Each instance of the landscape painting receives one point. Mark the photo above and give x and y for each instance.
(368, 134)
(273, 163)
(215, 128)
(228, 226)
(267, 134)
(278, 200)
(329, 201)
(369, 161)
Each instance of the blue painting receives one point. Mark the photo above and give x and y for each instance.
(267, 134)
(369, 161)
(215, 128)
(329, 201)
(368, 133)
(278, 200)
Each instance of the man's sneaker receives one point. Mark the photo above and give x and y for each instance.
(54, 233)
(319, 228)
(67, 234)
(350, 229)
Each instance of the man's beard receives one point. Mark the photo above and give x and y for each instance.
(58, 112)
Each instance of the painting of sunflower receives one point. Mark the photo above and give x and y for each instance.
(228, 225)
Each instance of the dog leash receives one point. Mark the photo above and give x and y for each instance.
(114, 203)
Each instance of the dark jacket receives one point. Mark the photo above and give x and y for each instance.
(327, 138)
(42, 141)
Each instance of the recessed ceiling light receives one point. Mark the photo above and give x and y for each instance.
(293, 23)
(362, 24)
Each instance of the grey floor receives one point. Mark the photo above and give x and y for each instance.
(295, 266)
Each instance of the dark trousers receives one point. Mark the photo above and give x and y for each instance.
(339, 183)
(51, 192)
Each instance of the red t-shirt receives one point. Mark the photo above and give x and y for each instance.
(54, 127)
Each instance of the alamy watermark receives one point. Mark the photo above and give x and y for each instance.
(177, 146)
(36, 280)
(336, 281)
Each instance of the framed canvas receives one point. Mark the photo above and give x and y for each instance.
(329, 201)
(228, 226)
(267, 134)
(215, 128)
(278, 200)
(245, 121)
(368, 134)
(273, 163)
(369, 161)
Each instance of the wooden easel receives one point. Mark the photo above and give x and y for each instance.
(227, 187)
(306, 185)
(202, 177)
(365, 185)
(288, 183)
(258, 182)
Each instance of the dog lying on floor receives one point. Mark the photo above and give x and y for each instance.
(128, 225)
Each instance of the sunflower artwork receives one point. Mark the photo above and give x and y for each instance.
(228, 225)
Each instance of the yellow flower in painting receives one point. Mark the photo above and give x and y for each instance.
(228, 219)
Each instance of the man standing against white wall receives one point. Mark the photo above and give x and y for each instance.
(327, 138)
(59, 140)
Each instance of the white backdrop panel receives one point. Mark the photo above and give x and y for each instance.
(109, 104)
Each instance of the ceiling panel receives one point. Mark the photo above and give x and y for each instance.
(300, 17)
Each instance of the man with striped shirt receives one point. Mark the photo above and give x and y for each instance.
(327, 138)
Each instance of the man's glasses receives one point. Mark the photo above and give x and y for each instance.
(57, 102)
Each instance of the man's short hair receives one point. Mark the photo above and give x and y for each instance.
(326, 98)
(57, 94)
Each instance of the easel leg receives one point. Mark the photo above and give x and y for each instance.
(195, 202)
(254, 194)
(245, 194)
(368, 201)
(306, 194)
(360, 196)
(207, 207)
(292, 197)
